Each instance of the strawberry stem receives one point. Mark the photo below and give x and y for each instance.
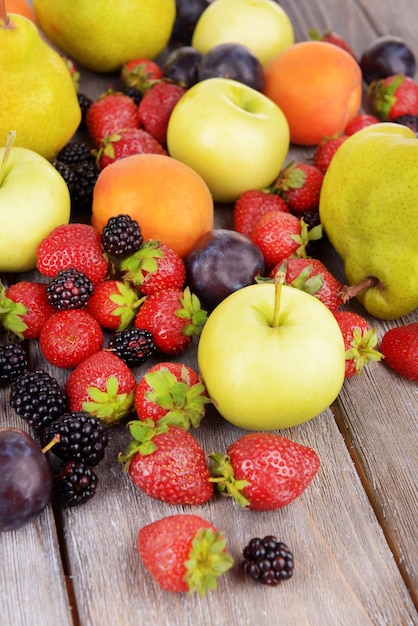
(351, 291)
(278, 283)
(9, 143)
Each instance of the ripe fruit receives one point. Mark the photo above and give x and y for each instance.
(13, 362)
(181, 66)
(111, 112)
(80, 437)
(32, 295)
(332, 37)
(133, 345)
(399, 346)
(69, 289)
(126, 142)
(300, 185)
(362, 120)
(184, 553)
(232, 60)
(253, 204)
(359, 341)
(182, 206)
(393, 96)
(325, 150)
(318, 86)
(156, 106)
(267, 560)
(113, 304)
(140, 73)
(121, 236)
(385, 56)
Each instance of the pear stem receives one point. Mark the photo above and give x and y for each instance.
(9, 143)
(4, 18)
(278, 284)
(350, 291)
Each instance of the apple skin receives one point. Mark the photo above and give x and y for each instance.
(266, 378)
(34, 199)
(232, 135)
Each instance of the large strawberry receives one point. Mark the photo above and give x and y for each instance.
(167, 463)
(399, 347)
(300, 186)
(126, 142)
(33, 296)
(109, 113)
(359, 340)
(156, 106)
(393, 96)
(113, 304)
(184, 553)
(264, 471)
(251, 205)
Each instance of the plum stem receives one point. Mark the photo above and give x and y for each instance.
(9, 143)
(278, 284)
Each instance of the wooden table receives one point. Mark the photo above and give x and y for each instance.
(353, 531)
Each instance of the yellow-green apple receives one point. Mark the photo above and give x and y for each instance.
(261, 25)
(232, 135)
(271, 357)
(34, 199)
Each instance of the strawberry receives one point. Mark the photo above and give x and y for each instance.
(75, 246)
(253, 204)
(184, 553)
(331, 37)
(155, 108)
(300, 186)
(393, 96)
(264, 471)
(33, 296)
(171, 393)
(154, 267)
(103, 385)
(125, 142)
(326, 149)
(362, 120)
(167, 463)
(12, 314)
(113, 304)
(140, 73)
(111, 111)
(399, 347)
(173, 317)
(359, 341)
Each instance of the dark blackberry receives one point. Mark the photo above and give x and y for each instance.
(267, 560)
(67, 173)
(82, 437)
(408, 120)
(133, 93)
(69, 289)
(13, 362)
(75, 152)
(84, 102)
(74, 482)
(37, 398)
(87, 173)
(121, 236)
(133, 345)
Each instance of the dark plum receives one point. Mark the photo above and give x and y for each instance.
(187, 14)
(182, 66)
(221, 262)
(385, 56)
(232, 60)
(25, 479)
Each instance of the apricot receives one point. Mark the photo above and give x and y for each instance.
(318, 86)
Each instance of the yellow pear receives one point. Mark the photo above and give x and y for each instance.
(38, 98)
(103, 34)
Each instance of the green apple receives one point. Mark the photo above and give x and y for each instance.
(232, 135)
(34, 199)
(271, 357)
(261, 25)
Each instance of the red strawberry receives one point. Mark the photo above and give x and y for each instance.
(155, 109)
(331, 37)
(33, 296)
(113, 304)
(173, 317)
(362, 120)
(264, 471)
(393, 96)
(325, 151)
(253, 204)
(359, 341)
(300, 186)
(184, 553)
(124, 143)
(68, 337)
(171, 393)
(11, 314)
(103, 385)
(140, 73)
(109, 113)
(154, 267)
(167, 463)
(399, 347)
(75, 246)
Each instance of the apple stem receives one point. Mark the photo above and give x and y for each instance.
(9, 143)
(350, 291)
(278, 283)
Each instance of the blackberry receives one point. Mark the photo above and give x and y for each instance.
(267, 560)
(67, 173)
(84, 102)
(69, 289)
(121, 236)
(133, 345)
(408, 120)
(82, 437)
(37, 398)
(87, 173)
(74, 482)
(133, 93)
(75, 152)
(13, 362)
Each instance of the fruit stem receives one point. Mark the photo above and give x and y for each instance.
(4, 18)
(55, 439)
(9, 143)
(351, 291)
(278, 283)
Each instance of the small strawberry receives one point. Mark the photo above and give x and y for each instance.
(12, 314)
(359, 341)
(264, 471)
(75, 246)
(167, 463)
(184, 553)
(111, 111)
(173, 317)
(34, 297)
(325, 150)
(102, 385)
(171, 393)
(399, 347)
(253, 204)
(126, 142)
(362, 120)
(113, 304)
(331, 37)
(68, 337)
(300, 186)
(155, 109)
(140, 73)
(154, 267)
(393, 96)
